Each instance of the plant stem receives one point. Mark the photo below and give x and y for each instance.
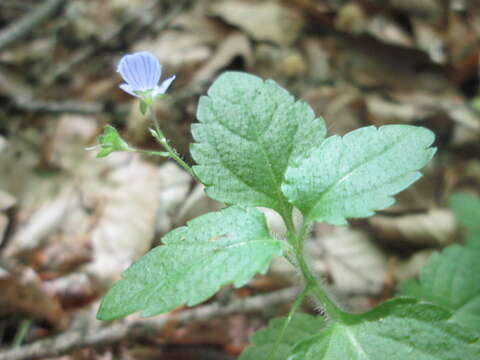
(21, 332)
(162, 140)
(333, 311)
(289, 318)
(151, 152)
(296, 240)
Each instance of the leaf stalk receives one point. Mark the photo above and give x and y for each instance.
(162, 140)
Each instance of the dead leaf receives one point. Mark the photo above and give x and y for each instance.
(340, 106)
(188, 43)
(195, 204)
(318, 59)
(388, 31)
(127, 201)
(234, 45)
(22, 292)
(408, 269)
(263, 21)
(436, 227)
(351, 18)
(44, 221)
(430, 41)
(3, 226)
(352, 260)
(7, 200)
(175, 186)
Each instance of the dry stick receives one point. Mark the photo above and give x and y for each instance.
(27, 23)
(100, 336)
(60, 107)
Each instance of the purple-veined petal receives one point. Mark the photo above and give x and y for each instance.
(128, 89)
(152, 69)
(140, 70)
(164, 86)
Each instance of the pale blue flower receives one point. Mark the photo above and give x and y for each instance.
(141, 72)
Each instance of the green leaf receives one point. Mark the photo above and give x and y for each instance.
(354, 175)
(396, 330)
(451, 280)
(466, 209)
(228, 246)
(110, 141)
(301, 327)
(250, 130)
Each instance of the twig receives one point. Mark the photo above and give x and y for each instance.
(73, 107)
(103, 335)
(28, 22)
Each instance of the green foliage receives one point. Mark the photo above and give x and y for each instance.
(467, 211)
(229, 246)
(354, 175)
(250, 131)
(301, 327)
(451, 280)
(110, 141)
(396, 330)
(256, 146)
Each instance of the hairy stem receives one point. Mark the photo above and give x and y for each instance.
(151, 152)
(296, 240)
(162, 140)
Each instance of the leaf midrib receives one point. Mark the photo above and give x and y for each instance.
(275, 180)
(356, 345)
(202, 259)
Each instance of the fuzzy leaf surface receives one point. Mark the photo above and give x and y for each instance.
(228, 246)
(451, 280)
(301, 327)
(249, 132)
(355, 175)
(396, 330)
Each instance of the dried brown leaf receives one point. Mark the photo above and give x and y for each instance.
(22, 292)
(434, 228)
(353, 261)
(263, 21)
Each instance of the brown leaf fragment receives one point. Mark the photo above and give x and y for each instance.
(3, 226)
(174, 188)
(23, 292)
(234, 45)
(124, 227)
(7, 200)
(42, 223)
(435, 227)
(73, 291)
(388, 31)
(263, 21)
(351, 18)
(430, 8)
(408, 269)
(353, 260)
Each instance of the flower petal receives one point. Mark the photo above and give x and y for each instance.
(140, 70)
(164, 86)
(151, 70)
(128, 89)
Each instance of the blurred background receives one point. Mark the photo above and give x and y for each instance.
(70, 223)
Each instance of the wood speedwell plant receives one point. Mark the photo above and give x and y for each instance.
(255, 146)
